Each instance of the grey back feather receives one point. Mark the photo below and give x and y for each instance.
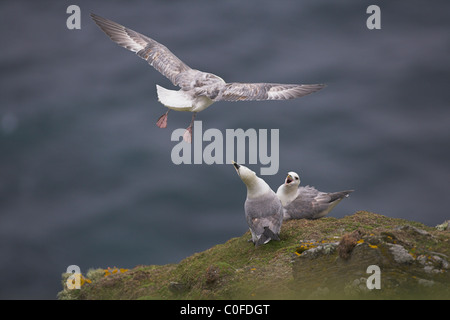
(313, 204)
(264, 211)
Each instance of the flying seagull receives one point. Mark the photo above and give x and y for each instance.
(263, 210)
(306, 202)
(198, 89)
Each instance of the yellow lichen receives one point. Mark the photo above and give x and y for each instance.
(114, 270)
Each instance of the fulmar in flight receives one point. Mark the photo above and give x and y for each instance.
(198, 89)
(306, 202)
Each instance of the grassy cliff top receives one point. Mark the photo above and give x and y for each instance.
(325, 258)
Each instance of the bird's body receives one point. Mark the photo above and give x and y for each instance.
(180, 100)
(306, 202)
(263, 210)
(198, 89)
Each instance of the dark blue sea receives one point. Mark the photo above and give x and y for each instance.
(87, 179)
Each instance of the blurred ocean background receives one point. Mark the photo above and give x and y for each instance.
(86, 177)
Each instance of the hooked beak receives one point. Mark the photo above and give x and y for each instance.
(236, 165)
(289, 179)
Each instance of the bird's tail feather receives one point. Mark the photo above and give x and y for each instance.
(340, 195)
(266, 236)
(173, 99)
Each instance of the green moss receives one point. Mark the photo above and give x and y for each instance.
(238, 270)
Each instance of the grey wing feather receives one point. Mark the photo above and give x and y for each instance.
(313, 204)
(156, 54)
(265, 211)
(302, 207)
(339, 195)
(203, 83)
(265, 91)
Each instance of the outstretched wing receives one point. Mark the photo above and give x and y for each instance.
(156, 54)
(265, 91)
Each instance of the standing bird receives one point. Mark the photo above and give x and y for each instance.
(263, 210)
(198, 89)
(306, 202)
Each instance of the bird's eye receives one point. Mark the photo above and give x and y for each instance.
(296, 178)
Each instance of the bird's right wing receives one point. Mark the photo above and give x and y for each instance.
(156, 54)
(303, 206)
(236, 91)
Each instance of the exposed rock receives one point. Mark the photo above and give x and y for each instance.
(321, 249)
(177, 287)
(444, 226)
(414, 229)
(400, 254)
(433, 263)
(425, 283)
(356, 287)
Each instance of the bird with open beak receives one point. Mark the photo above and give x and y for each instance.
(306, 202)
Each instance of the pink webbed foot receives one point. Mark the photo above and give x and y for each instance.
(162, 121)
(187, 136)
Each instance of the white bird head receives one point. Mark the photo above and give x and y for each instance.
(244, 173)
(287, 192)
(292, 179)
(255, 185)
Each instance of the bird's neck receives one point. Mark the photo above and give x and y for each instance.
(256, 188)
(287, 193)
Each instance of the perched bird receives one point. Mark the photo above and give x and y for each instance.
(198, 89)
(263, 210)
(306, 202)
